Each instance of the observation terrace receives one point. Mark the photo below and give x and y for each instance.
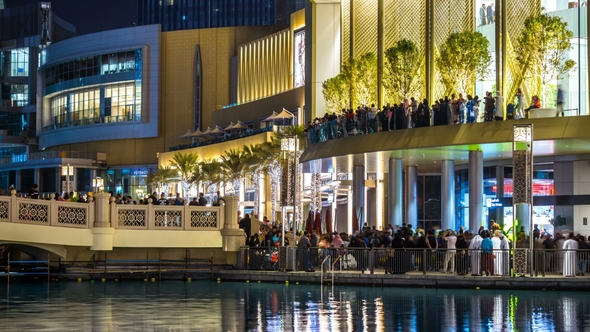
(555, 139)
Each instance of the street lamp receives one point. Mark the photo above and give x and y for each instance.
(98, 184)
(290, 145)
(67, 171)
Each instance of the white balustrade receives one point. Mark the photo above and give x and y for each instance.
(82, 215)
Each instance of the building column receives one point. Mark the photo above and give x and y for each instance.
(232, 236)
(394, 192)
(500, 193)
(37, 176)
(18, 180)
(412, 196)
(447, 175)
(102, 232)
(358, 194)
(323, 19)
(475, 190)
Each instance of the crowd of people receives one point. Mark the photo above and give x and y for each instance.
(484, 252)
(411, 113)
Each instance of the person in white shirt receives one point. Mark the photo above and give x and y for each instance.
(451, 252)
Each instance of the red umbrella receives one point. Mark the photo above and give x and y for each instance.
(318, 222)
(329, 221)
(309, 222)
(355, 220)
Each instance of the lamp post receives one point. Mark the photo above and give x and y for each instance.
(290, 145)
(67, 171)
(98, 184)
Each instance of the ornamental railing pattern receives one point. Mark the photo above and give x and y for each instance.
(82, 215)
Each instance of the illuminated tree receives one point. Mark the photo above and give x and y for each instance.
(401, 77)
(187, 167)
(163, 177)
(463, 57)
(542, 49)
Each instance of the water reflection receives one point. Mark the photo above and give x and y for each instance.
(179, 306)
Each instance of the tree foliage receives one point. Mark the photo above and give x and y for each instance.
(187, 166)
(402, 70)
(463, 57)
(336, 93)
(542, 48)
(355, 85)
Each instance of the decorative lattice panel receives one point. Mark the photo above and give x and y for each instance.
(3, 210)
(450, 16)
(404, 20)
(168, 219)
(345, 30)
(204, 219)
(131, 218)
(520, 261)
(521, 176)
(33, 213)
(517, 12)
(365, 27)
(71, 216)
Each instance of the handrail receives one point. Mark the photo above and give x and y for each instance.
(334, 263)
(322, 270)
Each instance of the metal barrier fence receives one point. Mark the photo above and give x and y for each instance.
(423, 261)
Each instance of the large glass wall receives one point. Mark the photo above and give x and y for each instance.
(14, 63)
(429, 195)
(90, 97)
(541, 80)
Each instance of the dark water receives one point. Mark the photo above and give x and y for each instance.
(225, 306)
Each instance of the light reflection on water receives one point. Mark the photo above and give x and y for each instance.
(225, 306)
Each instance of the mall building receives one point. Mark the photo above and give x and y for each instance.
(115, 104)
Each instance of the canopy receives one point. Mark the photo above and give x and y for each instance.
(271, 117)
(208, 131)
(230, 127)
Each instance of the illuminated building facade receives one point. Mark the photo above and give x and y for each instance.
(25, 31)
(175, 15)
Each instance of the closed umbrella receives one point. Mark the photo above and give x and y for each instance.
(317, 225)
(309, 222)
(329, 221)
(355, 220)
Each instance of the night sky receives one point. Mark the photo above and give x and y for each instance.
(91, 15)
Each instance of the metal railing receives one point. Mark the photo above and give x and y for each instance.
(501, 262)
(48, 155)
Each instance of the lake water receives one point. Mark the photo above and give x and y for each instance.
(226, 306)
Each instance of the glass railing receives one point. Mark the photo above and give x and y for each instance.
(363, 123)
(47, 155)
(93, 121)
(221, 138)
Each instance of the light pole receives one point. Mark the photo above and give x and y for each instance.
(290, 145)
(98, 184)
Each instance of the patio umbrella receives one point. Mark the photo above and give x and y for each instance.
(271, 117)
(197, 133)
(230, 127)
(309, 222)
(329, 221)
(284, 115)
(218, 130)
(317, 225)
(186, 135)
(239, 125)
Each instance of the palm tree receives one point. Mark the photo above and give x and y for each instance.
(260, 156)
(234, 168)
(162, 177)
(187, 167)
(211, 170)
